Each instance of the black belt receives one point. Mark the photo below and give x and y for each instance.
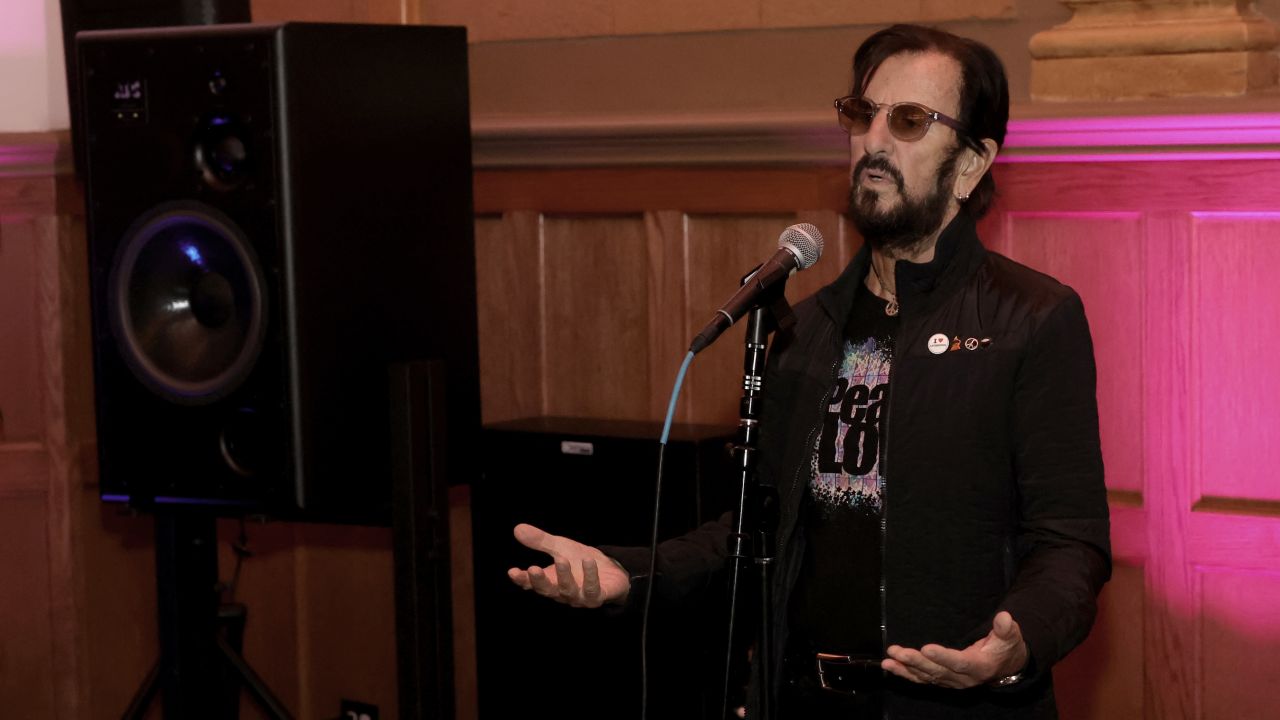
(844, 674)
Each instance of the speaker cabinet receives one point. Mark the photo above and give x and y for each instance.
(593, 480)
(276, 214)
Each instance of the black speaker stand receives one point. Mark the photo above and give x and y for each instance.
(420, 531)
(200, 671)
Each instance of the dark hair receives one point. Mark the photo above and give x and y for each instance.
(984, 90)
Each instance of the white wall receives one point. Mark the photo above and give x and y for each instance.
(33, 87)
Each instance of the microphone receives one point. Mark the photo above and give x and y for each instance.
(799, 247)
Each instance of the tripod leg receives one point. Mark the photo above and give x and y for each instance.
(269, 703)
(146, 693)
(231, 622)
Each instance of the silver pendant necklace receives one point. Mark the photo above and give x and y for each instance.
(892, 308)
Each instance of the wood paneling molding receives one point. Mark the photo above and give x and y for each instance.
(540, 19)
(705, 139)
(1238, 506)
(35, 176)
(1234, 540)
(1243, 130)
(34, 154)
(637, 190)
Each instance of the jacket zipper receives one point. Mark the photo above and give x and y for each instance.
(886, 420)
(884, 498)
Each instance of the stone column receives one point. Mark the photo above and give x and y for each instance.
(1141, 49)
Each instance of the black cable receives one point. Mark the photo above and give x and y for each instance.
(648, 590)
(653, 540)
(241, 549)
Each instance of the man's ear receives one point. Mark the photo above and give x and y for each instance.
(973, 165)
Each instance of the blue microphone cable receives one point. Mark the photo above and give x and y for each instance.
(653, 541)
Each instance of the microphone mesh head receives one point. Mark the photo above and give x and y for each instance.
(804, 241)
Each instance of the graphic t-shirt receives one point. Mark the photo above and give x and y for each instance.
(836, 604)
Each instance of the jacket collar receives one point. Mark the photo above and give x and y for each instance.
(921, 286)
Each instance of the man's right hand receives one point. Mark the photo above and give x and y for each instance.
(579, 575)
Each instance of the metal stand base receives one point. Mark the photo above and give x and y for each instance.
(200, 671)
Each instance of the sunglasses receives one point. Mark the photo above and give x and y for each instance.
(907, 121)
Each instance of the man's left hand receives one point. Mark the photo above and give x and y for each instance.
(1001, 653)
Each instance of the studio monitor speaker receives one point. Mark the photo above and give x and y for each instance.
(80, 15)
(276, 214)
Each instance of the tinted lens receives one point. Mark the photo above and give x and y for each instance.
(909, 122)
(855, 114)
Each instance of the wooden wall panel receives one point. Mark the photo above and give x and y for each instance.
(21, 416)
(344, 616)
(510, 316)
(670, 328)
(596, 283)
(63, 310)
(641, 189)
(1205, 343)
(1236, 343)
(1103, 678)
(1240, 535)
(591, 284)
(1240, 632)
(1221, 184)
(1099, 255)
(1170, 647)
(42, 414)
(26, 635)
(117, 602)
(561, 302)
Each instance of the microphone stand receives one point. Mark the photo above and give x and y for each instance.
(755, 514)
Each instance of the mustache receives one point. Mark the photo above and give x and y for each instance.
(879, 163)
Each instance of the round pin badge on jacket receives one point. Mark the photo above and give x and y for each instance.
(938, 343)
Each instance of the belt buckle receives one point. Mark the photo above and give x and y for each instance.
(825, 661)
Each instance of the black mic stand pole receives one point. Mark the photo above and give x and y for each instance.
(755, 515)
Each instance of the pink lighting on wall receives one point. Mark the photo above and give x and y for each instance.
(1140, 138)
(1175, 263)
(22, 28)
(25, 159)
(32, 85)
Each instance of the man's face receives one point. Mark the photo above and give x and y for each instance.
(901, 192)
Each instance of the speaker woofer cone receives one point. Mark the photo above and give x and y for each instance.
(187, 301)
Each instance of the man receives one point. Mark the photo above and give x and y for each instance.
(930, 424)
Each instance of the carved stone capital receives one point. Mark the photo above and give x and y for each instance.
(1141, 49)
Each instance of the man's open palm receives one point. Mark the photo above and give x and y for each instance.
(579, 575)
